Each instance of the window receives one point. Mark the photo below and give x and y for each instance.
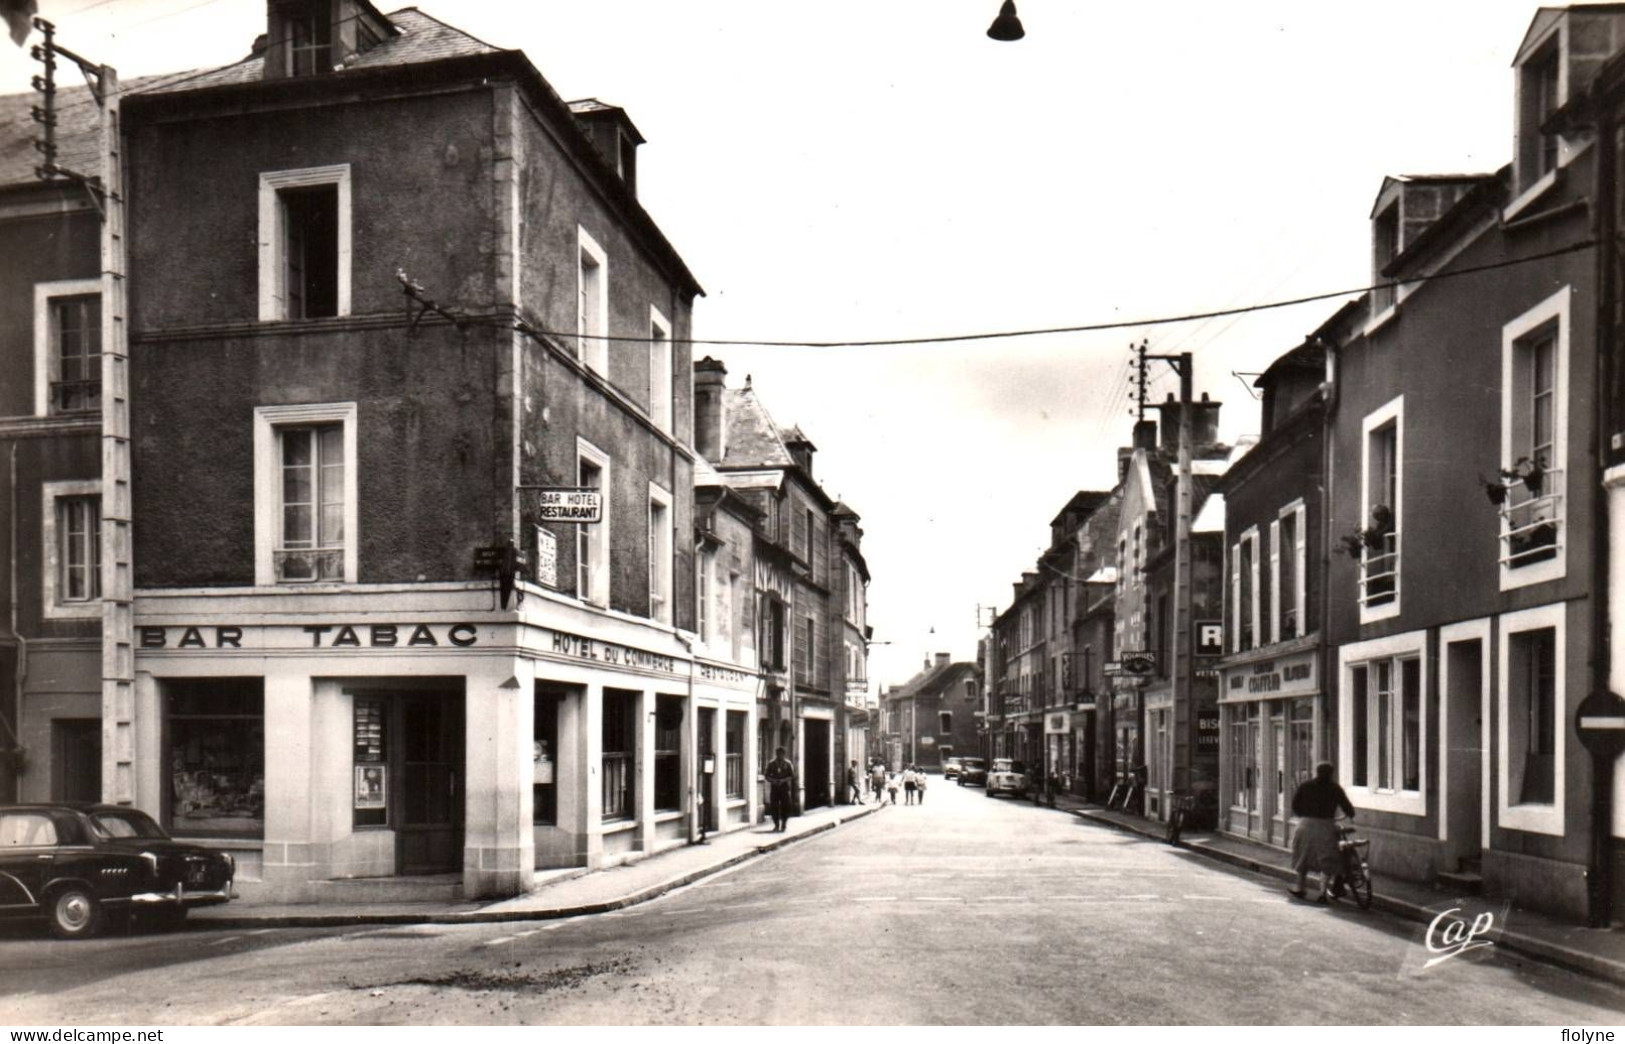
(970, 688)
(71, 542)
(371, 745)
(702, 593)
(310, 33)
(945, 722)
(215, 735)
(807, 538)
(728, 621)
(1531, 720)
(619, 735)
(305, 243)
(1244, 589)
(1384, 248)
(592, 540)
(305, 489)
(773, 633)
(1534, 382)
(1381, 513)
(592, 312)
(1383, 730)
(545, 758)
(660, 554)
(734, 785)
(806, 651)
(668, 780)
(660, 373)
(1539, 95)
(67, 346)
(27, 830)
(1287, 595)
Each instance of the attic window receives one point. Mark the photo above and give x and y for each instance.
(1539, 86)
(310, 38)
(627, 162)
(1384, 248)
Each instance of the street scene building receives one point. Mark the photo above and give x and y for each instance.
(390, 553)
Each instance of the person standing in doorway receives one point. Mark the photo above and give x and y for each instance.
(781, 782)
(1314, 841)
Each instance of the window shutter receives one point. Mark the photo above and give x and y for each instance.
(1275, 581)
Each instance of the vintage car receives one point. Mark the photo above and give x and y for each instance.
(79, 865)
(972, 772)
(950, 768)
(1007, 777)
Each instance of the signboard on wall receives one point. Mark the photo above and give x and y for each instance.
(371, 786)
(547, 557)
(1209, 638)
(570, 504)
(1283, 677)
(1057, 723)
(1207, 731)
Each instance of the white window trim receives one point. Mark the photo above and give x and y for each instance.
(594, 353)
(1554, 308)
(1299, 515)
(1394, 410)
(273, 292)
(661, 568)
(1556, 38)
(661, 409)
(599, 595)
(267, 485)
(1275, 581)
(1537, 819)
(45, 363)
(51, 552)
(1251, 535)
(1469, 631)
(1403, 802)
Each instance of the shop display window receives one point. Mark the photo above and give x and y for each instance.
(215, 750)
(371, 762)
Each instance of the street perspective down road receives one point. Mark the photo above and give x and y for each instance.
(962, 909)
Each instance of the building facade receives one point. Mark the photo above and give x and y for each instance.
(932, 716)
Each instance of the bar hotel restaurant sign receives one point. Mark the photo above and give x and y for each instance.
(396, 638)
(1280, 678)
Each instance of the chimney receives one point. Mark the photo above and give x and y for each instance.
(710, 409)
(1145, 435)
(942, 659)
(927, 663)
(1204, 423)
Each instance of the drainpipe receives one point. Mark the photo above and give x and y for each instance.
(21, 675)
(1328, 459)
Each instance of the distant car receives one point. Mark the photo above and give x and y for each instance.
(1008, 777)
(972, 772)
(950, 768)
(78, 864)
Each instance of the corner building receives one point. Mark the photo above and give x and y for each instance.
(327, 681)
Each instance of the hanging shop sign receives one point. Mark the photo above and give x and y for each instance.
(1057, 723)
(1133, 664)
(309, 636)
(1209, 637)
(570, 504)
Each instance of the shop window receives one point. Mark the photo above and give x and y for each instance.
(73, 549)
(668, 774)
(371, 731)
(215, 757)
(305, 243)
(619, 733)
(1532, 714)
(1360, 721)
(544, 760)
(734, 785)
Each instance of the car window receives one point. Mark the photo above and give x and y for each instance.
(19, 829)
(114, 825)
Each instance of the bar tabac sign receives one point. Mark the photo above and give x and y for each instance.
(392, 636)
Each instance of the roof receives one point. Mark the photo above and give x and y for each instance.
(928, 680)
(1209, 467)
(594, 107)
(753, 439)
(1103, 575)
(77, 129)
(1211, 518)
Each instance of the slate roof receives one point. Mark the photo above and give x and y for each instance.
(927, 681)
(753, 439)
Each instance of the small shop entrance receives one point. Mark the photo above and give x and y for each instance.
(815, 767)
(409, 775)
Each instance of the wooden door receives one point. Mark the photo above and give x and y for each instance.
(429, 765)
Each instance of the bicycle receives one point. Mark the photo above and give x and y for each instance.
(1183, 806)
(1356, 875)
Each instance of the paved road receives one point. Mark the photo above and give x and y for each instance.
(964, 910)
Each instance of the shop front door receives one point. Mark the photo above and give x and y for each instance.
(815, 764)
(429, 832)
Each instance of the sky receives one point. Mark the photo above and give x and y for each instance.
(879, 169)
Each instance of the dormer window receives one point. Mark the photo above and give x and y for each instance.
(627, 163)
(310, 38)
(1539, 88)
(1384, 248)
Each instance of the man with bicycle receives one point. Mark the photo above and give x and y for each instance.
(1315, 841)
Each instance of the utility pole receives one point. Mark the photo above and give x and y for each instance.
(1184, 720)
(106, 190)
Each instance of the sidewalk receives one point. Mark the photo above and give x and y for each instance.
(1594, 951)
(566, 893)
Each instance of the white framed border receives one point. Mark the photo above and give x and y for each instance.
(1393, 410)
(1554, 309)
(45, 363)
(51, 607)
(662, 569)
(1538, 819)
(599, 538)
(273, 274)
(1404, 802)
(662, 411)
(268, 497)
(1468, 631)
(592, 351)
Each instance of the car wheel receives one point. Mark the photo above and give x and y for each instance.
(75, 914)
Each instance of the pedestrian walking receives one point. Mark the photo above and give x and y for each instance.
(919, 785)
(909, 785)
(892, 783)
(781, 778)
(854, 791)
(877, 782)
(1314, 841)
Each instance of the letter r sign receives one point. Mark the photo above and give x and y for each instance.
(1209, 638)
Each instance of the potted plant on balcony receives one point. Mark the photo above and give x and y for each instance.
(1531, 473)
(1371, 537)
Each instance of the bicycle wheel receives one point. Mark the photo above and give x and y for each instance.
(1359, 883)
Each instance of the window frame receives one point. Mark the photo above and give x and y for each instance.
(662, 550)
(1552, 314)
(1531, 817)
(662, 406)
(597, 535)
(268, 421)
(46, 365)
(591, 348)
(53, 606)
(1393, 412)
(273, 291)
(1367, 656)
(1298, 513)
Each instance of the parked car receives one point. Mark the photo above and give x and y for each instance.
(950, 768)
(972, 772)
(1008, 777)
(77, 865)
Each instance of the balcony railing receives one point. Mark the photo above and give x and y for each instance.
(1532, 526)
(1379, 572)
(72, 396)
(309, 565)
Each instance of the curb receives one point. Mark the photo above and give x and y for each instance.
(1591, 964)
(489, 916)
